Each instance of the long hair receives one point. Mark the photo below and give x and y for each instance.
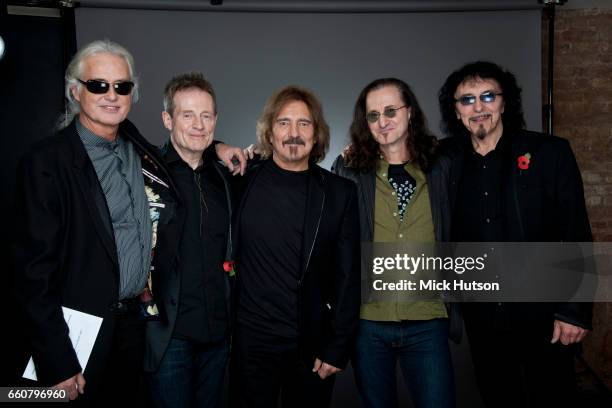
(363, 151)
(275, 104)
(75, 70)
(512, 117)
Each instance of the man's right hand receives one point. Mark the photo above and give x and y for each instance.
(74, 386)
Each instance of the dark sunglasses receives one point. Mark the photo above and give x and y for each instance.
(485, 97)
(388, 112)
(98, 87)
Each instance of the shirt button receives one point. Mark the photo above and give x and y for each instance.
(384, 174)
(488, 220)
(401, 235)
(486, 193)
(395, 214)
(393, 193)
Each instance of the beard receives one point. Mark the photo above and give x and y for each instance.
(480, 132)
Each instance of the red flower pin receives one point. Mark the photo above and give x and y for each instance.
(228, 266)
(523, 161)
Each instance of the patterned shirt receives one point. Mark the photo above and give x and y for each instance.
(119, 171)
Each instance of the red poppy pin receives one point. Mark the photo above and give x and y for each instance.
(523, 161)
(228, 266)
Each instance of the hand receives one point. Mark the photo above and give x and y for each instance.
(251, 151)
(568, 333)
(323, 369)
(227, 153)
(345, 151)
(74, 386)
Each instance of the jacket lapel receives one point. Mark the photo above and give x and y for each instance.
(435, 202)
(314, 213)
(368, 182)
(511, 178)
(93, 197)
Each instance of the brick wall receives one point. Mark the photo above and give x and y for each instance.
(583, 114)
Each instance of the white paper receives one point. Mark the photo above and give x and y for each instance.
(83, 330)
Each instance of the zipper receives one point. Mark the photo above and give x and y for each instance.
(202, 199)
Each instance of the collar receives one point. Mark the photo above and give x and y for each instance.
(171, 156)
(90, 139)
(271, 164)
(502, 147)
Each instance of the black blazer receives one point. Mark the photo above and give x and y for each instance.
(65, 252)
(329, 288)
(544, 203)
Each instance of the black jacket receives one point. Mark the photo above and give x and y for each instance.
(329, 287)
(167, 279)
(65, 252)
(544, 203)
(437, 181)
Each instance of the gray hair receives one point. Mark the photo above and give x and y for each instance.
(75, 70)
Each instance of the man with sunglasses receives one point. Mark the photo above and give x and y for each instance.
(98, 214)
(508, 184)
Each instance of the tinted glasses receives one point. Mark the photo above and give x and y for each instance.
(373, 116)
(99, 87)
(485, 97)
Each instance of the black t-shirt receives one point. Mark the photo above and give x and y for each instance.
(271, 232)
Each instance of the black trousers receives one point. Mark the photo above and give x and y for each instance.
(264, 367)
(521, 368)
(122, 382)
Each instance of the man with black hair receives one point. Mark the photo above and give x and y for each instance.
(508, 184)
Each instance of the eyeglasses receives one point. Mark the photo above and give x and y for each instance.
(485, 97)
(373, 116)
(99, 87)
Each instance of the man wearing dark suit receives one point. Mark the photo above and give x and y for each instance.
(92, 204)
(511, 185)
(297, 254)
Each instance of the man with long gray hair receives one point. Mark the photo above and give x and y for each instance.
(91, 204)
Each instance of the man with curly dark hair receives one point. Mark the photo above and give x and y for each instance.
(508, 184)
(402, 199)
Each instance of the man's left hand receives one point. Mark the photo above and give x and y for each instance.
(227, 154)
(323, 369)
(567, 333)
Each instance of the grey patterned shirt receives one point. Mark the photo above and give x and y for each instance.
(119, 171)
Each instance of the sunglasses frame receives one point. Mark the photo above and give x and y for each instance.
(484, 98)
(101, 87)
(387, 112)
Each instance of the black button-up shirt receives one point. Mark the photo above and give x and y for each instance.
(479, 217)
(202, 314)
(479, 213)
